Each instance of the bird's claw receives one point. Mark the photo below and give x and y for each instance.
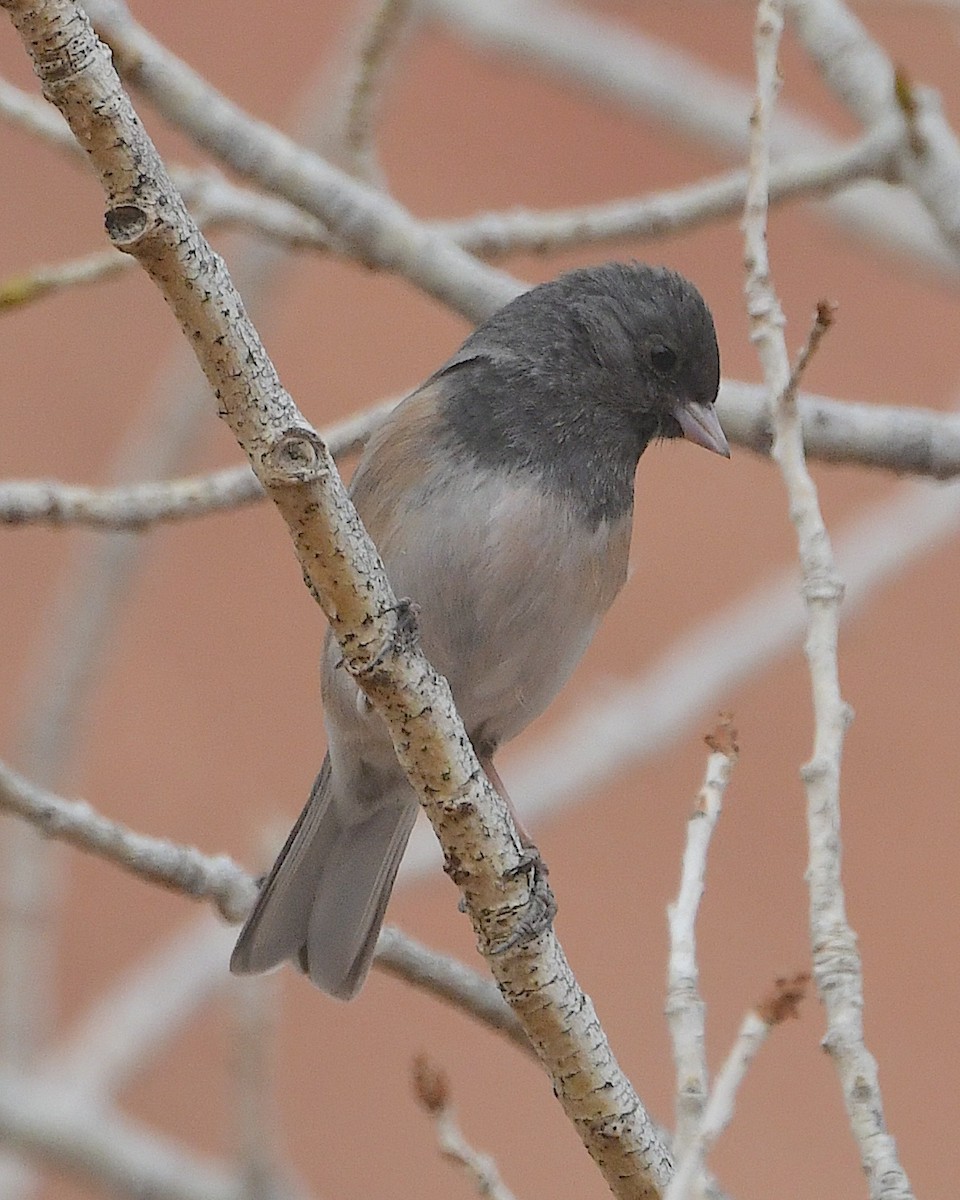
(541, 905)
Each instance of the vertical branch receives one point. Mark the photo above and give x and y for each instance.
(255, 1009)
(382, 37)
(836, 960)
(778, 1006)
(684, 1007)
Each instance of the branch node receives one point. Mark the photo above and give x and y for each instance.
(296, 457)
(823, 589)
(125, 225)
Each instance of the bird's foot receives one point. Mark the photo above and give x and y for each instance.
(541, 905)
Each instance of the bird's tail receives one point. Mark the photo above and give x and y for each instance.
(323, 902)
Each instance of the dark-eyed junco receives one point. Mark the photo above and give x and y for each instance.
(500, 497)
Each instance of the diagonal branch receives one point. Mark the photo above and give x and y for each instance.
(146, 217)
(363, 222)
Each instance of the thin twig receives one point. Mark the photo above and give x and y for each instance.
(382, 38)
(684, 1005)
(158, 860)
(863, 77)
(780, 1005)
(141, 505)
(837, 966)
(432, 1089)
(139, 1013)
(663, 84)
(493, 235)
(255, 1013)
(367, 225)
(104, 1150)
(400, 955)
(26, 288)
(232, 891)
(38, 118)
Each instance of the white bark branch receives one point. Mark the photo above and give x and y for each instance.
(780, 1005)
(157, 860)
(145, 217)
(383, 36)
(432, 1090)
(663, 84)
(864, 78)
(837, 966)
(684, 1006)
(363, 222)
(103, 1149)
(909, 441)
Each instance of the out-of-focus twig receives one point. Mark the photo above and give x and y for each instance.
(156, 859)
(863, 77)
(367, 225)
(905, 440)
(493, 235)
(141, 505)
(382, 37)
(254, 1003)
(432, 1089)
(649, 77)
(103, 1150)
(400, 955)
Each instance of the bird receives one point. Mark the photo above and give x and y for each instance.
(500, 497)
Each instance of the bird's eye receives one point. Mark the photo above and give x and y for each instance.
(663, 359)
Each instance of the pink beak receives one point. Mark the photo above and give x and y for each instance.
(701, 425)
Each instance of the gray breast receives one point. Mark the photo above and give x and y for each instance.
(510, 585)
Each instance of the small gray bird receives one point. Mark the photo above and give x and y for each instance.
(500, 497)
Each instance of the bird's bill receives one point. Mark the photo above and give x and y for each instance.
(701, 425)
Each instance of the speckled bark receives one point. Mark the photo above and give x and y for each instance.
(146, 218)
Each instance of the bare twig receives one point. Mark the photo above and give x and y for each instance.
(493, 235)
(103, 1149)
(864, 78)
(781, 1004)
(382, 38)
(905, 440)
(38, 118)
(255, 1009)
(646, 76)
(364, 223)
(19, 290)
(444, 977)
(145, 217)
(432, 1090)
(836, 959)
(684, 1006)
(140, 1012)
(156, 859)
(142, 505)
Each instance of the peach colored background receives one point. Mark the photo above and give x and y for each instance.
(205, 725)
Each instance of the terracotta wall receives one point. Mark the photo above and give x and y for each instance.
(204, 726)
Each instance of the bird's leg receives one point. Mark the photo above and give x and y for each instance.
(541, 907)
(491, 772)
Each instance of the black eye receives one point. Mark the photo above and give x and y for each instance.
(663, 359)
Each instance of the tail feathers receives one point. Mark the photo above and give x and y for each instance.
(323, 902)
